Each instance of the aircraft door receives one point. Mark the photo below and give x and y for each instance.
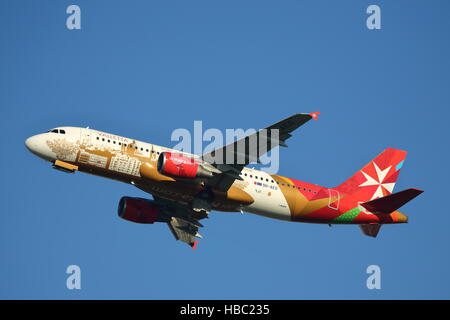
(333, 200)
(153, 154)
(85, 137)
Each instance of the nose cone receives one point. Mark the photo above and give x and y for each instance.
(38, 146)
(31, 144)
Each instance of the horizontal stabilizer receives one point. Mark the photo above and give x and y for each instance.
(370, 230)
(391, 202)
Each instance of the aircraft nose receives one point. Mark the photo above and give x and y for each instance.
(37, 145)
(31, 144)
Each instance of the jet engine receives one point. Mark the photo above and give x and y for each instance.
(177, 165)
(141, 210)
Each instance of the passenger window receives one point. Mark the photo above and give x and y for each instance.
(103, 139)
(98, 138)
(114, 141)
(109, 141)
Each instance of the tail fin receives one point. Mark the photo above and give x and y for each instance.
(377, 179)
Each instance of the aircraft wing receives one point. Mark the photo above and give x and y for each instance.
(230, 159)
(184, 231)
(184, 223)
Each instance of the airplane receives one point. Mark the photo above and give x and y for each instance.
(186, 188)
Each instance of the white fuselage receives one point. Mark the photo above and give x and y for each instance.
(60, 144)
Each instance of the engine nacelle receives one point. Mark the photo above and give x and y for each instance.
(177, 165)
(141, 210)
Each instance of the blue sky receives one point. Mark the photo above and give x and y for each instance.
(144, 68)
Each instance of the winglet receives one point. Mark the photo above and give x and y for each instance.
(194, 245)
(315, 115)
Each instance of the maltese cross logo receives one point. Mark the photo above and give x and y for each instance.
(378, 181)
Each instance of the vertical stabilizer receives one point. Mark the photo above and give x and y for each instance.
(377, 179)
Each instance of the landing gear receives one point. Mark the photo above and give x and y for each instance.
(202, 202)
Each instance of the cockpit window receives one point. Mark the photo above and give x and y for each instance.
(57, 131)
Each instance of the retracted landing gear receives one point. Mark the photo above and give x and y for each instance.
(202, 202)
